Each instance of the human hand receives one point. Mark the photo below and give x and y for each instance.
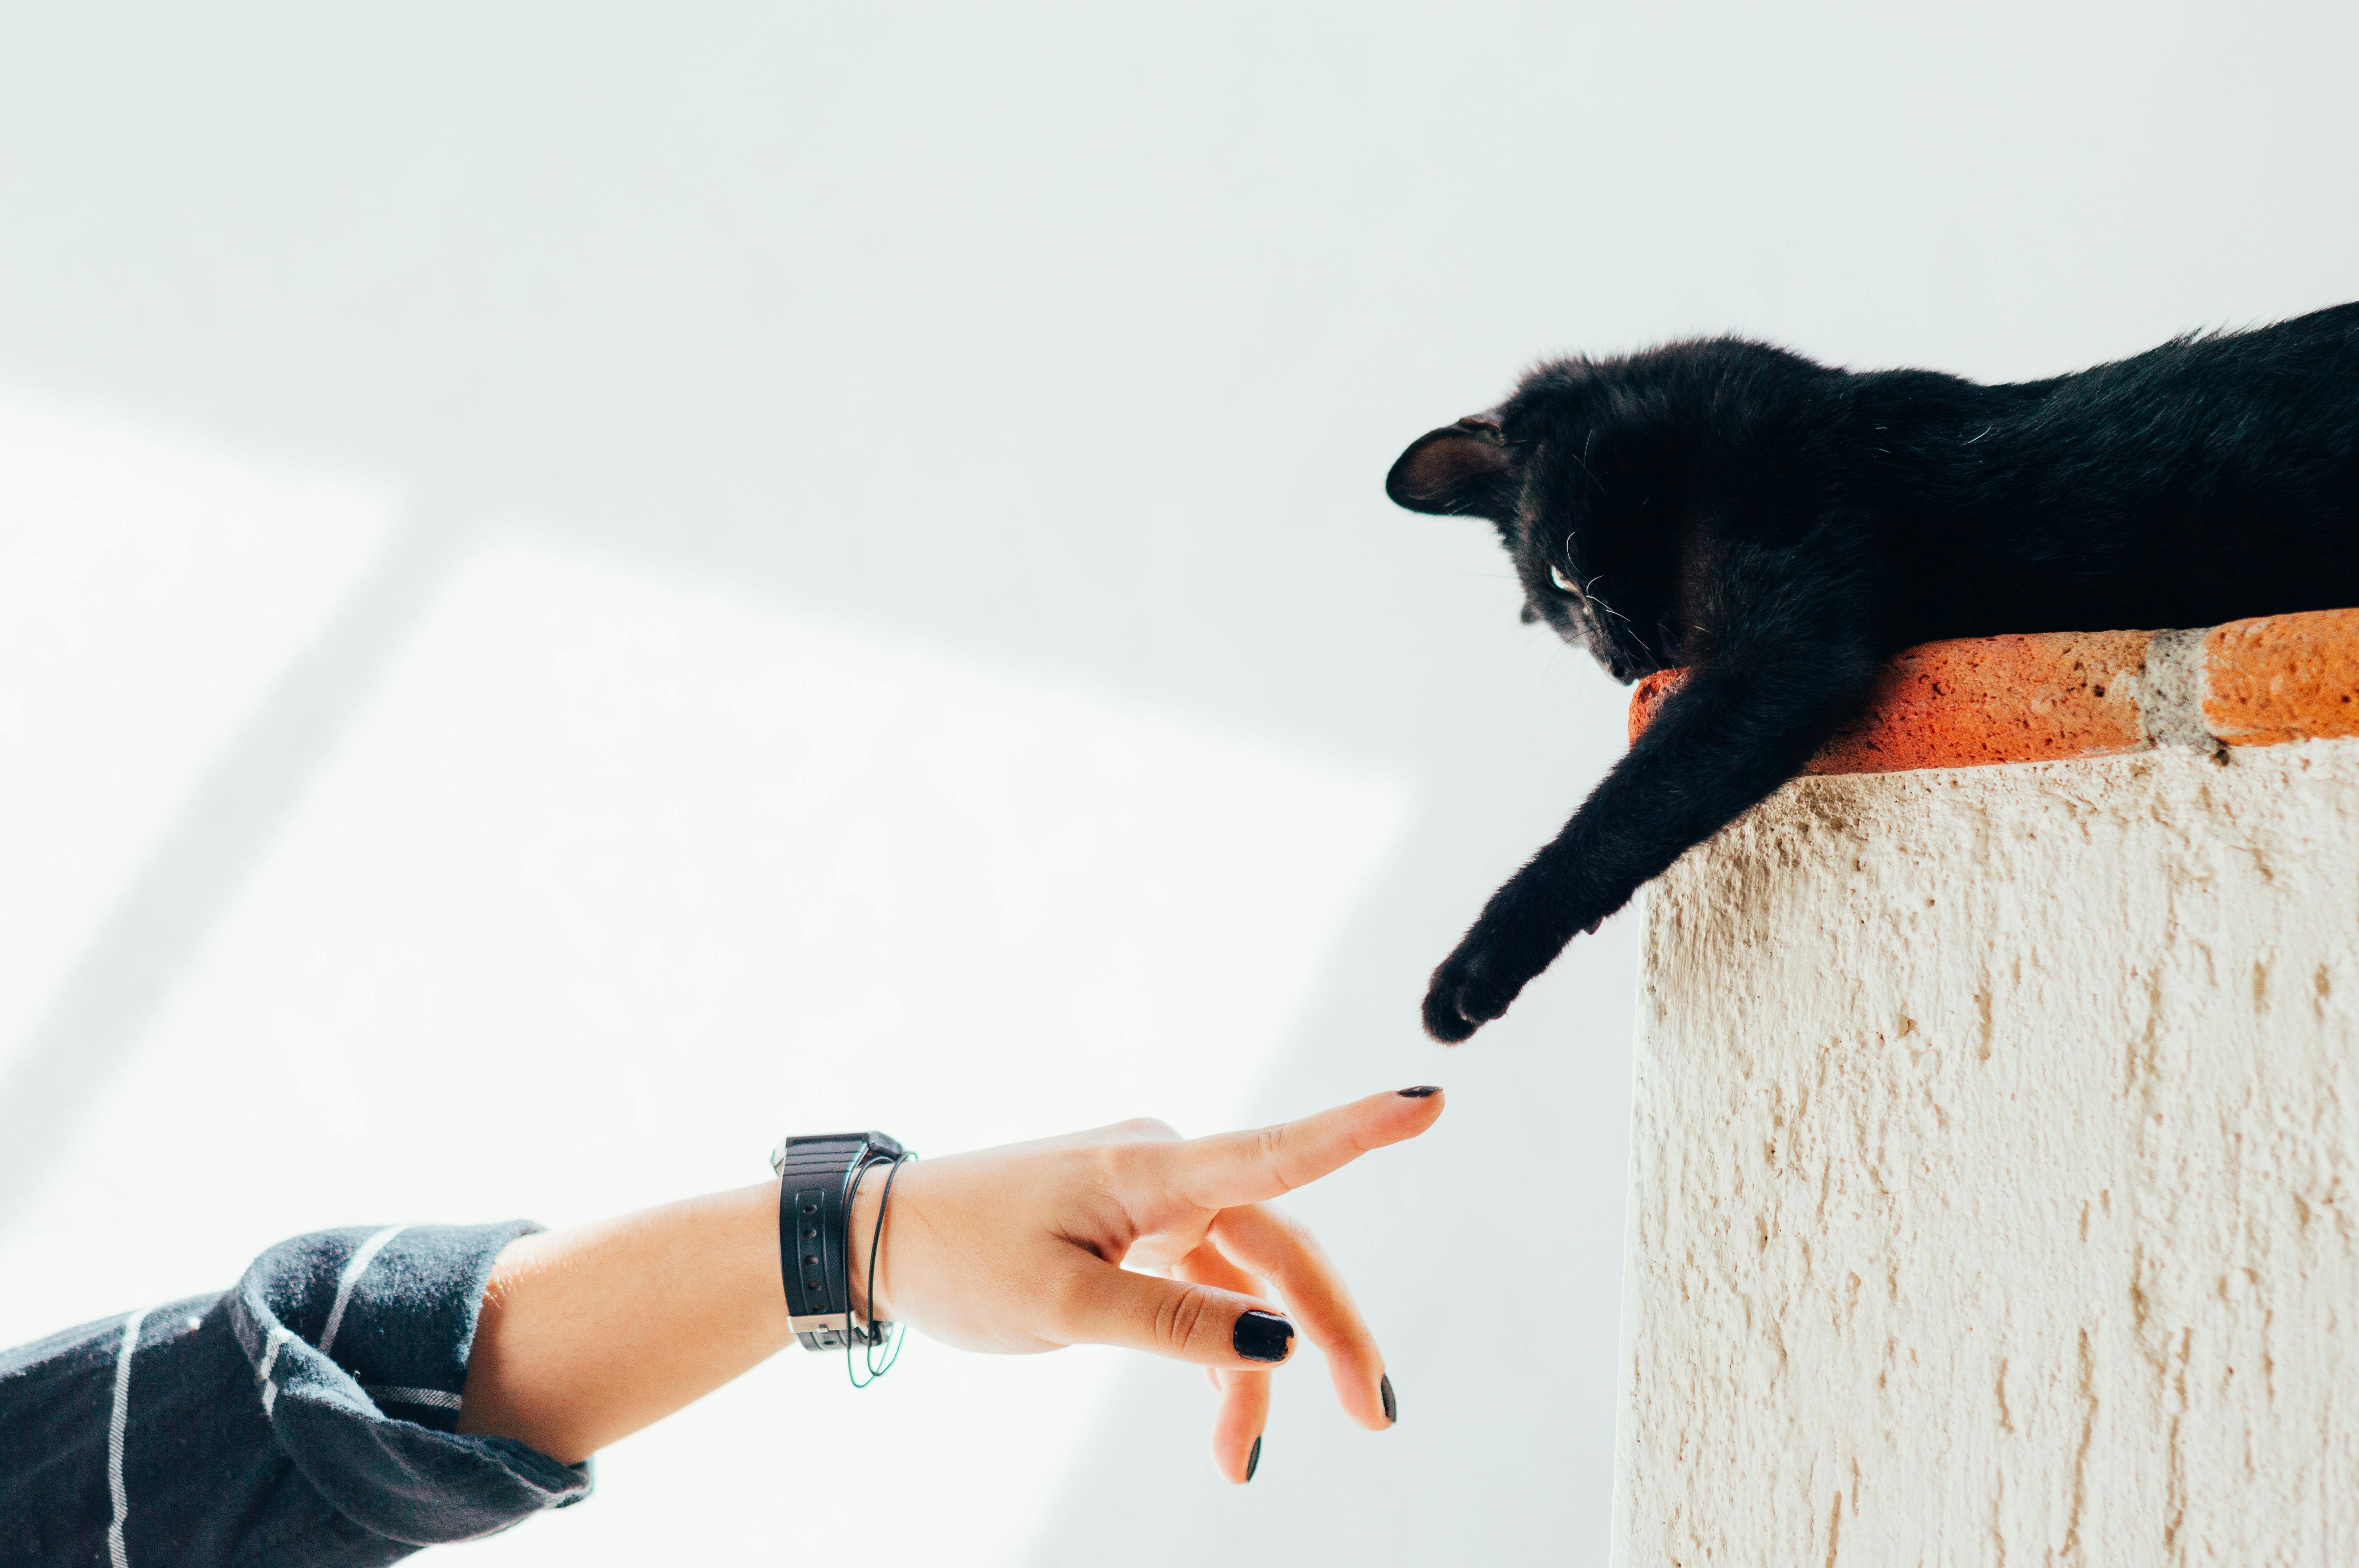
(1131, 1234)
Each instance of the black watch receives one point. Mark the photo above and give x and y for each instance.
(816, 1176)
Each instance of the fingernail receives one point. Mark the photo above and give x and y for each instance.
(1392, 1406)
(1421, 1091)
(1253, 1460)
(1261, 1336)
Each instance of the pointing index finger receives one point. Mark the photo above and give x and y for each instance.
(1231, 1169)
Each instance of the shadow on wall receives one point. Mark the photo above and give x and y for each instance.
(219, 833)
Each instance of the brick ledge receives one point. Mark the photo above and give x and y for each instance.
(2041, 696)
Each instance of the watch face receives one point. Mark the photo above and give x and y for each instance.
(849, 1144)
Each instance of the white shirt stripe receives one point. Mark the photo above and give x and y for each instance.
(280, 1335)
(353, 1269)
(117, 1422)
(386, 1394)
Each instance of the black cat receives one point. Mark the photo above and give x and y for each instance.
(1781, 529)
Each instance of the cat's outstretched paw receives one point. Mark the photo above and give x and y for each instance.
(1484, 977)
(1466, 992)
(1442, 1019)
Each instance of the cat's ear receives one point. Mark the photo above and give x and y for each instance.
(1460, 470)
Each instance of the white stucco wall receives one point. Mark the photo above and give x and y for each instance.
(1992, 1173)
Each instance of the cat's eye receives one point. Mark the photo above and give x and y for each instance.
(1563, 583)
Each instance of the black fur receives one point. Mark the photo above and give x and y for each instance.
(1782, 528)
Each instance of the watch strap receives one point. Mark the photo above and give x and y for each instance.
(816, 1177)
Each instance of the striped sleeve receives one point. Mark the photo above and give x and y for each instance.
(306, 1417)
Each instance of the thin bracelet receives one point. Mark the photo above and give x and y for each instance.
(876, 1240)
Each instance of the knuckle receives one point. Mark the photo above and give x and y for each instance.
(1179, 1318)
(1147, 1126)
(1313, 1254)
(1115, 1167)
(1288, 1229)
(1272, 1144)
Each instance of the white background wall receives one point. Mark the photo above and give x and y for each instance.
(582, 586)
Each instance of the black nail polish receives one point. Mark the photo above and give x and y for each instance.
(1421, 1091)
(1392, 1406)
(1261, 1336)
(1253, 1460)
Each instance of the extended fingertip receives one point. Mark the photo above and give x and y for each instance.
(1392, 1406)
(1261, 1336)
(1253, 1460)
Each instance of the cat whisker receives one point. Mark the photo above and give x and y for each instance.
(1584, 460)
(1635, 634)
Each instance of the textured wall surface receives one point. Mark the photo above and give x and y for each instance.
(1993, 1172)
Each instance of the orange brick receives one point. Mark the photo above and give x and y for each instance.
(2075, 694)
(1997, 700)
(2283, 678)
(1649, 694)
(1979, 700)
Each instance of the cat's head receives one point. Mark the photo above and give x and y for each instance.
(1578, 476)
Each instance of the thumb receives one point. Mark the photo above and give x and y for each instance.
(1187, 1321)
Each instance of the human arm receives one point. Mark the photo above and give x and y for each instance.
(365, 1392)
(588, 1334)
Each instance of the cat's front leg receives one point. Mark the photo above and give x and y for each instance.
(1517, 937)
(1732, 733)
